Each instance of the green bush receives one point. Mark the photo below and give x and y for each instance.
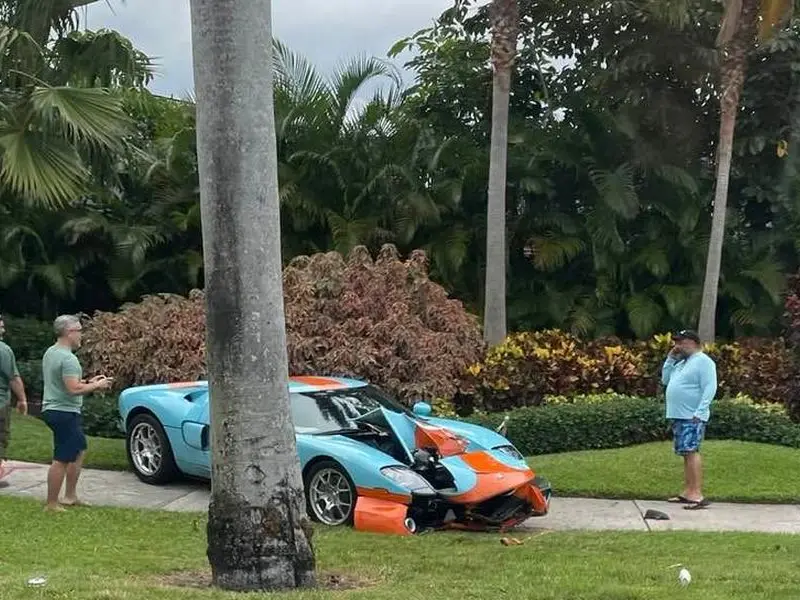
(101, 416)
(31, 373)
(625, 422)
(29, 338)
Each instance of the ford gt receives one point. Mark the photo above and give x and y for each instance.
(367, 460)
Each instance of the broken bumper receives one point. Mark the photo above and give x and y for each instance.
(424, 513)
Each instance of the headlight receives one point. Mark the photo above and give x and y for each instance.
(510, 451)
(408, 479)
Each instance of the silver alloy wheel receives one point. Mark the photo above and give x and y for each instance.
(331, 496)
(146, 449)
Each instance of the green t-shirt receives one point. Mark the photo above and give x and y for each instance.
(59, 362)
(8, 371)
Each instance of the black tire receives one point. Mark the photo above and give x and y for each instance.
(167, 470)
(309, 478)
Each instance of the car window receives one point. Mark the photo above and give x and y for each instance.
(312, 414)
(329, 410)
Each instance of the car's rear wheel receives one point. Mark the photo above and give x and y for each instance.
(330, 494)
(149, 450)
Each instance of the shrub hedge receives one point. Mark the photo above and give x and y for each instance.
(28, 337)
(620, 422)
(101, 416)
(31, 372)
(382, 320)
(527, 367)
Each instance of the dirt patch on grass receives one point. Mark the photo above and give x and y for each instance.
(326, 580)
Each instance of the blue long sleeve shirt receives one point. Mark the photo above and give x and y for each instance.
(691, 386)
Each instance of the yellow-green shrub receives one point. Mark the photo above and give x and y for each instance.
(529, 368)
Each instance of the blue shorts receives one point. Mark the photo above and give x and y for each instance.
(68, 438)
(687, 435)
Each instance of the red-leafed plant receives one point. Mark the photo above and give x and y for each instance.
(384, 321)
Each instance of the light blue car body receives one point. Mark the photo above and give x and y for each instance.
(183, 412)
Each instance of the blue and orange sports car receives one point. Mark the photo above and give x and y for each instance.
(367, 461)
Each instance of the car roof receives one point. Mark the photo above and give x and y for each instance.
(298, 384)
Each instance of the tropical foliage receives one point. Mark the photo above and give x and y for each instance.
(529, 369)
(610, 167)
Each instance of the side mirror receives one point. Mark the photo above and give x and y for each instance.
(422, 409)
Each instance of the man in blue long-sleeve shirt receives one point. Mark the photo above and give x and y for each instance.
(690, 377)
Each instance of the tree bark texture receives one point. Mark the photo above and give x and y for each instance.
(732, 75)
(505, 28)
(259, 536)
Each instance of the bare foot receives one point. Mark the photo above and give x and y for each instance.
(74, 502)
(56, 508)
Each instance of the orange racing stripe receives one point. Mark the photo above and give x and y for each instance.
(320, 382)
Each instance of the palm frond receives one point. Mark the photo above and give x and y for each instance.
(654, 258)
(677, 299)
(101, 58)
(350, 233)
(349, 78)
(87, 115)
(617, 189)
(677, 177)
(296, 77)
(644, 314)
(448, 251)
(603, 230)
(57, 277)
(551, 251)
(45, 171)
(769, 276)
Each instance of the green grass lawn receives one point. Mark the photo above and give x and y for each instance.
(734, 471)
(110, 554)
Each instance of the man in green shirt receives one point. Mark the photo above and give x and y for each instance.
(10, 381)
(62, 402)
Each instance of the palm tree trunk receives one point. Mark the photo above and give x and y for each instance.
(494, 324)
(505, 26)
(258, 532)
(732, 76)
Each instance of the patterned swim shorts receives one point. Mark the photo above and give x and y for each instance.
(687, 435)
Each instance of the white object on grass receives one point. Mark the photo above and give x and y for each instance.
(685, 577)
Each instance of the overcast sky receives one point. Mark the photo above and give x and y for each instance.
(325, 31)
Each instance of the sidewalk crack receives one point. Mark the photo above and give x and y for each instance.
(641, 514)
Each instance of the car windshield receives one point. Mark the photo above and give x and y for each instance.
(333, 410)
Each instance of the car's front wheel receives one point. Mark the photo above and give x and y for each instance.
(330, 494)
(149, 450)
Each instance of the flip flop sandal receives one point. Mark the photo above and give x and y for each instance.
(697, 505)
(679, 500)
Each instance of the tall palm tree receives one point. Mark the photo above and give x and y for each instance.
(258, 531)
(743, 23)
(505, 28)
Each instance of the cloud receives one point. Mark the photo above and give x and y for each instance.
(326, 32)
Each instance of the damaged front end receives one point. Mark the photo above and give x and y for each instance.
(503, 497)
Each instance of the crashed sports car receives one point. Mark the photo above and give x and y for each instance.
(367, 460)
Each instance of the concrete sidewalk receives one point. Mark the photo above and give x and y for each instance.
(111, 488)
